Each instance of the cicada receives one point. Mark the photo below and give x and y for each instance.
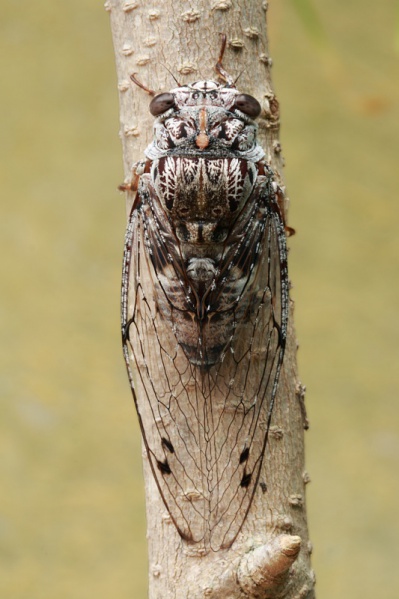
(205, 305)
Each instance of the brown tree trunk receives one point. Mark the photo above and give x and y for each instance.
(271, 556)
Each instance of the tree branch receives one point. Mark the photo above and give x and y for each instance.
(271, 556)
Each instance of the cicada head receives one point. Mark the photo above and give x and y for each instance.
(206, 93)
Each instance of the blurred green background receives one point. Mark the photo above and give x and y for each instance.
(71, 495)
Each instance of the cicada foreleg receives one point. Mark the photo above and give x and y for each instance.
(138, 169)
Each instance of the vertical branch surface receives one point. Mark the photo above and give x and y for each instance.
(270, 558)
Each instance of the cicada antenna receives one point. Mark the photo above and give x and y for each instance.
(137, 82)
(238, 76)
(172, 75)
(219, 66)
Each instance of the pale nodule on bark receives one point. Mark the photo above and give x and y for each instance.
(271, 556)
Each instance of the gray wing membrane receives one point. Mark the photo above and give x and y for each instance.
(205, 424)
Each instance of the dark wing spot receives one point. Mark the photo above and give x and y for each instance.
(126, 331)
(244, 455)
(263, 486)
(161, 103)
(247, 104)
(166, 443)
(186, 537)
(246, 479)
(164, 467)
(281, 338)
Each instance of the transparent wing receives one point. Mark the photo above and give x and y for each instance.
(205, 386)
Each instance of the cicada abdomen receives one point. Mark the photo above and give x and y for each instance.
(205, 307)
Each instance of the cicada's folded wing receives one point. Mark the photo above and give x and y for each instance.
(243, 385)
(164, 382)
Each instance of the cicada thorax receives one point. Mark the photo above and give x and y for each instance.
(203, 196)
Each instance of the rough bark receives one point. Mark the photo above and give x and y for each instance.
(271, 556)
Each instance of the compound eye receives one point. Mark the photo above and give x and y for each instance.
(161, 103)
(248, 105)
